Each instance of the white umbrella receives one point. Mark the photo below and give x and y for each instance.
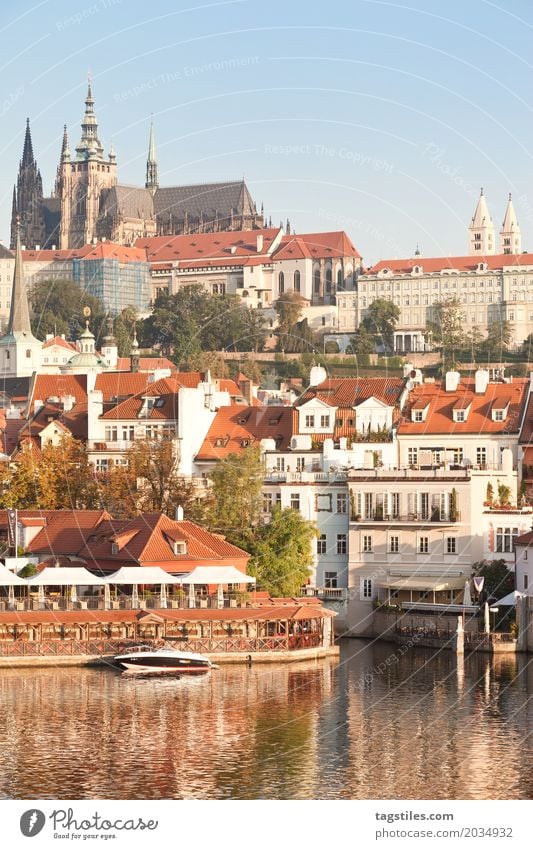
(41, 597)
(510, 599)
(73, 594)
(467, 596)
(163, 596)
(487, 618)
(220, 596)
(11, 596)
(192, 596)
(107, 597)
(135, 596)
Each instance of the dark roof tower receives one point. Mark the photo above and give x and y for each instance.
(152, 181)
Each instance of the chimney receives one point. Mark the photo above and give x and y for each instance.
(259, 243)
(37, 247)
(452, 381)
(481, 381)
(179, 513)
(48, 337)
(246, 390)
(68, 402)
(37, 405)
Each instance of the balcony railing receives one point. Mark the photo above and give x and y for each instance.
(403, 518)
(274, 476)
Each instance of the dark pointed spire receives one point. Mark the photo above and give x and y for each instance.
(19, 314)
(27, 153)
(90, 145)
(152, 181)
(59, 171)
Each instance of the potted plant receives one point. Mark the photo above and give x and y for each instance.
(453, 505)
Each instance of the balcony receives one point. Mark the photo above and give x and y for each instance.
(329, 593)
(117, 445)
(274, 476)
(424, 518)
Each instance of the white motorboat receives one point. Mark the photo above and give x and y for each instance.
(164, 659)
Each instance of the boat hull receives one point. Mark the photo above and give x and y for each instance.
(162, 662)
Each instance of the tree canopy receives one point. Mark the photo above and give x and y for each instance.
(282, 553)
(192, 320)
(447, 329)
(380, 320)
(236, 509)
(57, 308)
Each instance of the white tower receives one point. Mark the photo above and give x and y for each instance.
(481, 231)
(20, 351)
(510, 236)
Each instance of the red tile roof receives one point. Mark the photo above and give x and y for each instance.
(65, 531)
(145, 363)
(58, 385)
(62, 343)
(147, 540)
(120, 384)
(234, 428)
(526, 434)
(439, 418)
(317, 245)
(102, 250)
(166, 390)
(350, 391)
(459, 263)
(205, 247)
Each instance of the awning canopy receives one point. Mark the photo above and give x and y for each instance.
(64, 576)
(509, 600)
(141, 575)
(420, 582)
(11, 579)
(217, 575)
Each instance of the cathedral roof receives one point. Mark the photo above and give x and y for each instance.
(127, 201)
(206, 200)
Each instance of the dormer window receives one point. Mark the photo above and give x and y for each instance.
(459, 415)
(245, 443)
(499, 411)
(417, 416)
(219, 442)
(179, 547)
(419, 411)
(114, 548)
(461, 411)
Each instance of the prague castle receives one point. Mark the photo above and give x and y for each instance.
(88, 203)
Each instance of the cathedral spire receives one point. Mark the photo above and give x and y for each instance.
(64, 147)
(90, 145)
(19, 315)
(481, 230)
(27, 153)
(152, 181)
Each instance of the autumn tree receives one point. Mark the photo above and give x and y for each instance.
(150, 481)
(282, 553)
(123, 327)
(57, 308)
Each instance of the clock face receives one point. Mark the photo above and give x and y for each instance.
(86, 311)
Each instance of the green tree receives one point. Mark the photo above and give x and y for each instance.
(57, 307)
(499, 580)
(496, 343)
(124, 325)
(380, 320)
(447, 331)
(362, 343)
(282, 553)
(212, 360)
(236, 508)
(289, 308)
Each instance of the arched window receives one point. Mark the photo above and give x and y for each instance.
(340, 281)
(316, 281)
(296, 281)
(28, 354)
(328, 281)
(281, 283)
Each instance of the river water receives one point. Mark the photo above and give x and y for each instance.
(374, 724)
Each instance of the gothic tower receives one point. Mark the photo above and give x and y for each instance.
(481, 231)
(510, 236)
(20, 351)
(59, 172)
(28, 199)
(82, 181)
(152, 182)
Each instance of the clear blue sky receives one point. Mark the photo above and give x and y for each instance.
(376, 117)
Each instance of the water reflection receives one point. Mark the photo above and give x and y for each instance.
(377, 724)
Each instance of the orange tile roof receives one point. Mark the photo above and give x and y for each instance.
(236, 427)
(350, 391)
(65, 531)
(439, 418)
(57, 385)
(62, 343)
(120, 384)
(145, 363)
(102, 250)
(201, 247)
(318, 245)
(147, 540)
(166, 390)
(459, 263)
(526, 434)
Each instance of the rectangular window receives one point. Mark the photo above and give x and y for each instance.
(309, 421)
(505, 538)
(423, 545)
(498, 415)
(267, 502)
(342, 503)
(451, 545)
(341, 544)
(280, 464)
(367, 544)
(412, 456)
(395, 504)
(330, 580)
(277, 499)
(418, 416)
(295, 500)
(457, 456)
(369, 505)
(394, 544)
(481, 456)
(321, 544)
(324, 421)
(525, 582)
(366, 588)
(111, 434)
(300, 464)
